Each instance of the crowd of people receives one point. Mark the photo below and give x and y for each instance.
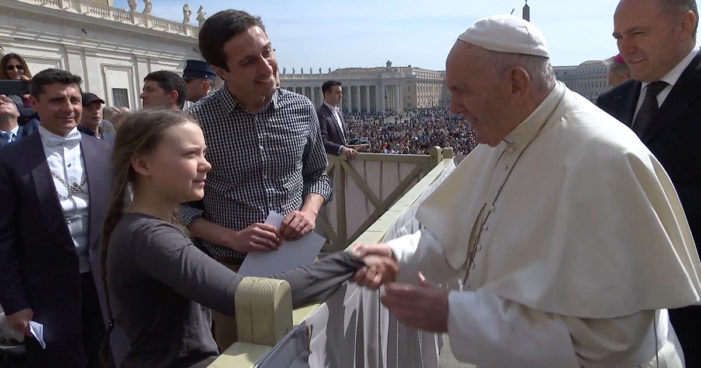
(412, 132)
(124, 249)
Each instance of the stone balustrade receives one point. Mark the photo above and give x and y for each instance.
(118, 15)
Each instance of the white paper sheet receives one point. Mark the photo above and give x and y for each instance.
(290, 254)
(37, 330)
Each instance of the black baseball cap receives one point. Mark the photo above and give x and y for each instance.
(90, 97)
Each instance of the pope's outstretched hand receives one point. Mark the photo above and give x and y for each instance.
(381, 267)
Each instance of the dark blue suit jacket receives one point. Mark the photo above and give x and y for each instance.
(673, 136)
(24, 131)
(330, 131)
(38, 260)
(107, 137)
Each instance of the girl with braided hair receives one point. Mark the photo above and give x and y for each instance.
(160, 286)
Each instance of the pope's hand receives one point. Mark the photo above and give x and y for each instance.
(381, 267)
(378, 271)
(423, 306)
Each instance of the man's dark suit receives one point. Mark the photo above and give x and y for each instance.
(331, 133)
(674, 137)
(24, 131)
(38, 260)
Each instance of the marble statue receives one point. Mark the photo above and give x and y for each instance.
(147, 7)
(186, 14)
(200, 16)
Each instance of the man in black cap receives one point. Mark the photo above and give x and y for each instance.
(91, 121)
(199, 79)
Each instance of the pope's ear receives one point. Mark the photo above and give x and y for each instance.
(520, 81)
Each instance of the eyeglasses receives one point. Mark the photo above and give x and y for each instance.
(19, 68)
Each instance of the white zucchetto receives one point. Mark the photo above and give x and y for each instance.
(506, 33)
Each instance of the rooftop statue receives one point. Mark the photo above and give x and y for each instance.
(147, 7)
(200, 16)
(186, 14)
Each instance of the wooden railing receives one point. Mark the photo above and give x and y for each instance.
(267, 292)
(366, 187)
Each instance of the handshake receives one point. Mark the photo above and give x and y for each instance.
(422, 305)
(380, 265)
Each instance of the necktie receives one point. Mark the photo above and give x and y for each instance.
(6, 137)
(649, 107)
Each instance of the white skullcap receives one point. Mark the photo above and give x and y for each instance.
(506, 33)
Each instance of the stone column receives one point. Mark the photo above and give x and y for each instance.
(361, 99)
(317, 97)
(381, 96)
(368, 107)
(356, 98)
(400, 94)
(348, 95)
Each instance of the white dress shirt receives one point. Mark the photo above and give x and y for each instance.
(337, 116)
(66, 164)
(671, 78)
(12, 133)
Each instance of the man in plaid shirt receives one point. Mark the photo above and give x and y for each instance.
(265, 147)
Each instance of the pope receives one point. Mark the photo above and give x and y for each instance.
(565, 233)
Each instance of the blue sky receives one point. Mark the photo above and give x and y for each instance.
(365, 33)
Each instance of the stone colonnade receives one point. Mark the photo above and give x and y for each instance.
(357, 97)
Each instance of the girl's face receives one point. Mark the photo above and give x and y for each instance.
(177, 168)
(14, 69)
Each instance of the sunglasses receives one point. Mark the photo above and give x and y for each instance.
(19, 68)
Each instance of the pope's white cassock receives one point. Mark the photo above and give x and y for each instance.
(579, 244)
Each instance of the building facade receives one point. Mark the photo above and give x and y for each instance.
(369, 90)
(589, 79)
(111, 49)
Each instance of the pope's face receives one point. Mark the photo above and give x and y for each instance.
(651, 41)
(478, 93)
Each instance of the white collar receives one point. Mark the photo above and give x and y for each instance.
(673, 75)
(49, 139)
(330, 106)
(14, 130)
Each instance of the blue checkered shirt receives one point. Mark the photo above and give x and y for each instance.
(269, 161)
